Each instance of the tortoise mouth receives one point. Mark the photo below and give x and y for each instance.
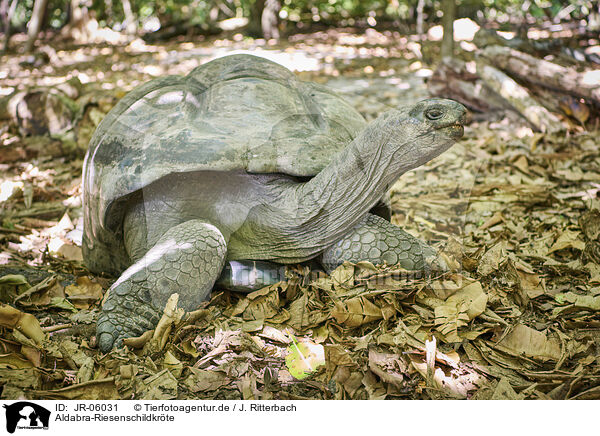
(455, 130)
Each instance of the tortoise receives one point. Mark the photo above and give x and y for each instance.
(235, 170)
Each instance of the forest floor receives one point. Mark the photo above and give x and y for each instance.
(514, 211)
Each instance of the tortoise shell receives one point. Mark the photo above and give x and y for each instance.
(235, 113)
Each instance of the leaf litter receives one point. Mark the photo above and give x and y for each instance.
(515, 213)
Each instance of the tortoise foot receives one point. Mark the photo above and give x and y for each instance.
(125, 314)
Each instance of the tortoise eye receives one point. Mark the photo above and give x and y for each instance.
(434, 114)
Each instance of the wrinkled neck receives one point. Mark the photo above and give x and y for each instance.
(355, 180)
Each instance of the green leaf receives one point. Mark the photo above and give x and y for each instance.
(304, 358)
(62, 303)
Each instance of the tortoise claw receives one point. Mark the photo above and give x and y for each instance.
(105, 342)
(124, 315)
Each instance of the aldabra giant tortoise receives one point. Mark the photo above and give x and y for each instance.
(240, 166)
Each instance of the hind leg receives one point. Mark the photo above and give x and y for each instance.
(187, 260)
(378, 241)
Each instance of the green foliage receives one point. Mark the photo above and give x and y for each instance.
(337, 12)
(328, 9)
(22, 13)
(503, 10)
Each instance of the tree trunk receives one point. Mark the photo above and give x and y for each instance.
(420, 7)
(213, 14)
(538, 49)
(129, 24)
(449, 9)
(255, 23)
(270, 19)
(544, 73)
(561, 103)
(35, 22)
(452, 79)
(79, 20)
(542, 119)
(7, 9)
(108, 12)
(594, 19)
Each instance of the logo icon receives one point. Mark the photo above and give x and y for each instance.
(26, 415)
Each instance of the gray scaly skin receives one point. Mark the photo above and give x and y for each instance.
(376, 240)
(187, 259)
(176, 230)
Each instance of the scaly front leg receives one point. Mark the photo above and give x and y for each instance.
(187, 260)
(377, 241)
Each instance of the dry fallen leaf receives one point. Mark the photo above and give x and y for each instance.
(567, 239)
(23, 322)
(525, 341)
(200, 380)
(490, 261)
(360, 310)
(259, 305)
(462, 306)
(84, 292)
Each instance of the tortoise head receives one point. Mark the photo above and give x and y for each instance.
(430, 127)
(438, 114)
